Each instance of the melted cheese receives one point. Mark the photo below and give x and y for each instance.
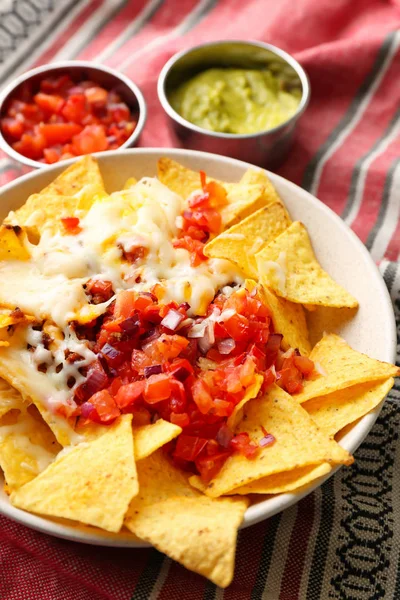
(275, 272)
(50, 285)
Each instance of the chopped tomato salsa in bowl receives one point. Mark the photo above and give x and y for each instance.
(61, 111)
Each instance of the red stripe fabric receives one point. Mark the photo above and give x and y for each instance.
(291, 578)
(161, 24)
(371, 127)
(112, 30)
(351, 53)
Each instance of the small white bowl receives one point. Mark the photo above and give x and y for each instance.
(339, 250)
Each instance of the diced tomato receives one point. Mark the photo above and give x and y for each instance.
(13, 128)
(141, 416)
(74, 108)
(51, 155)
(189, 447)
(105, 406)
(180, 419)
(269, 379)
(96, 95)
(242, 443)
(201, 396)
(30, 145)
(124, 305)
(165, 347)
(115, 385)
(210, 466)
(86, 114)
(290, 379)
(56, 85)
(143, 301)
(119, 112)
(237, 327)
(49, 102)
(222, 408)
(194, 247)
(128, 394)
(153, 373)
(217, 194)
(100, 289)
(181, 369)
(304, 365)
(71, 225)
(203, 180)
(139, 361)
(91, 139)
(59, 133)
(157, 388)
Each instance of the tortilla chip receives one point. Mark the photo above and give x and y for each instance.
(241, 242)
(198, 532)
(76, 188)
(344, 367)
(27, 445)
(251, 392)
(33, 385)
(289, 320)
(259, 177)
(327, 319)
(336, 410)
(76, 177)
(178, 178)
(288, 265)
(299, 443)
(93, 483)
(149, 438)
(11, 243)
(242, 199)
(14, 317)
(10, 398)
(280, 483)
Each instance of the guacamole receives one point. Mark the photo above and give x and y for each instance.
(235, 100)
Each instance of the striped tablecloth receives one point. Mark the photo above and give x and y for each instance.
(343, 541)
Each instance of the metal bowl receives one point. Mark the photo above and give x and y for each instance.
(78, 69)
(264, 148)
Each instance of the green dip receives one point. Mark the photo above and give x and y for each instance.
(235, 100)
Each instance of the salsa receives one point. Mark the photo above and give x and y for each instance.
(63, 118)
(241, 101)
(155, 361)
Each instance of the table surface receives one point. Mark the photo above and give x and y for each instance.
(343, 541)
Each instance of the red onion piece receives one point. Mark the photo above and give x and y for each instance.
(113, 356)
(198, 330)
(131, 325)
(182, 373)
(86, 410)
(96, 380)
(274, 342)
(153, 370)
(172, 319)
(150, 335)
(226, 346)
(224, 436)
(267, 440)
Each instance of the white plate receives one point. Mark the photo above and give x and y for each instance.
(339, 251)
